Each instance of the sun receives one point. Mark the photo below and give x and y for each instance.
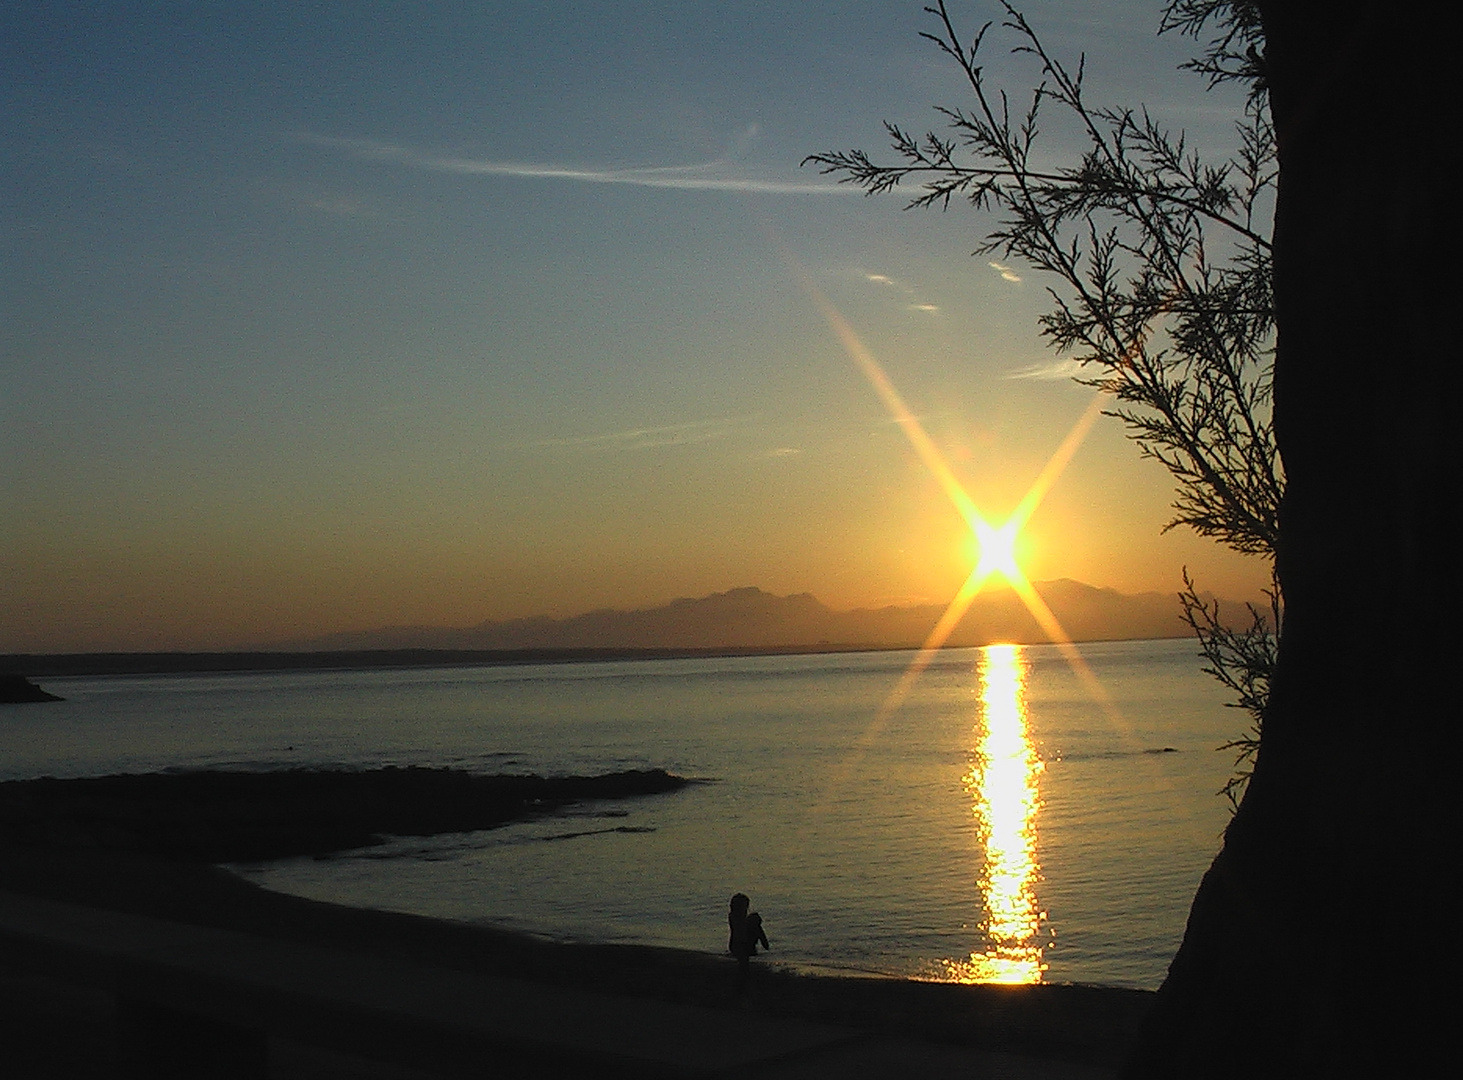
(997, 547)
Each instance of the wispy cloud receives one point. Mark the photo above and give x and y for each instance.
(1065, 368)
(707, 176)
(340, 206)
(315, 199)
(914, 304)
(1005, 271)
(646, 438)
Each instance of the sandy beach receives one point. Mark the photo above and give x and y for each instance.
(52, 1028)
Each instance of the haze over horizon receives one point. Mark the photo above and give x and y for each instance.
(323, 318)
(751, 618)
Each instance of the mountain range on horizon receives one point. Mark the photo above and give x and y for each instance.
(749, 618)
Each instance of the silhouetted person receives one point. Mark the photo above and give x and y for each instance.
(746, 932)
(737, 921)
(755, 934)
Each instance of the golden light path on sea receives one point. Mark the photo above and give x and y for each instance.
(1003, 786)
(1003, 778)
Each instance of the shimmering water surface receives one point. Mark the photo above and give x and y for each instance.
(1003, 824)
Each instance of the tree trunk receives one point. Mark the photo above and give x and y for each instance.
(1320, 942)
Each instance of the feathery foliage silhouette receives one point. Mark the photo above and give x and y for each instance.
(1163, 282)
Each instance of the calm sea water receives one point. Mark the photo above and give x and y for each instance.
(1016, 816)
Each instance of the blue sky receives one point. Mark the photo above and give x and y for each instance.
(322, 316)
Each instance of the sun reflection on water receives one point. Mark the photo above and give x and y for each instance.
(1002, 783)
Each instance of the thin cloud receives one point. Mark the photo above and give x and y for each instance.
(340, 206)
(647, 438)
(309, 197)
(1065, 368)
(1006, 272)
(784, 451)
(677, 177)
(915, 304)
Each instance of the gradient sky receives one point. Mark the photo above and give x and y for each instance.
(326, 316)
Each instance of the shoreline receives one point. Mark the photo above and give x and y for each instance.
(90, 858)
(69, 665)
(1086, 1025)
(74, 665)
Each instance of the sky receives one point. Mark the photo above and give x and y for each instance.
(329, 316)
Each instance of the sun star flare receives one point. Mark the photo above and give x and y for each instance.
(997, 550)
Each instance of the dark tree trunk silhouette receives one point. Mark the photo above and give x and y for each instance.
(1321, 942)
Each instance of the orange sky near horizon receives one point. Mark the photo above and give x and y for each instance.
(468, 320)
(893, 538)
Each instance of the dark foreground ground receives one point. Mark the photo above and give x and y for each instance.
(48, 1028)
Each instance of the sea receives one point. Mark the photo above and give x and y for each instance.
(1013, 813)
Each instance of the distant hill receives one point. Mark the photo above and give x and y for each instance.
(749, 618)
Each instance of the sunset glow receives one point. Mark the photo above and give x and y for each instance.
(516, 333)
(507, 388)
(995, 545)
(1003, 779)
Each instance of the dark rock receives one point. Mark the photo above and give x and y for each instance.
(18, 690)
(216, 817)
